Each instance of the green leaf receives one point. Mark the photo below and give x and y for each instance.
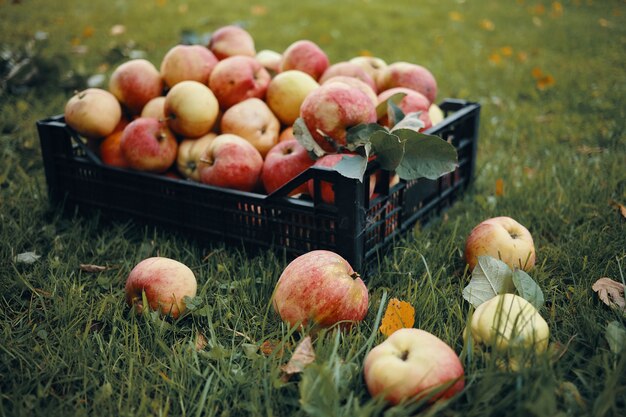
(352, 167)
(360, 134)
(383, 108)
(528, 289)
(303, 135)
(411, 121)
(616, 337)
(425, 156)
(389, 149)
(490, 277)
(395, 114)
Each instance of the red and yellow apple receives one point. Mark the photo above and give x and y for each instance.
(187, 62)
(189, 154)
(154, 108)
(134, 83)
(409, 75)
(148, 145)
(191, 109)
(372, 65)
(237, 78)
(282, 163)
(348, 69)
(165, 283)
(356, 83)
(231, 40)
(93, 113)
(410, 103)
(306, 56)
(253, 120)
(321, 288)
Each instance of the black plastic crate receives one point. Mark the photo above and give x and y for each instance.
(356, 226)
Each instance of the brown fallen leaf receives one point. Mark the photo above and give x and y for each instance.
(610, 292)
(302, 356)
(620, 207)
(93, 268)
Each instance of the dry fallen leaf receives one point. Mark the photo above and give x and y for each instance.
(610, 292)
(93, 268)
(302, 356)
(499, 187)
(270, 346)
(398, 315)
(620, 207)
(201, 342)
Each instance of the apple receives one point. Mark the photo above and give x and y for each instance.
(282, 163)
(149, 145)
(413, 364)
(501, 238)
(231, 40)
(286, 134)
(326, 188)
(330, 110)
(93, 113)
(286, 92)
(134, 83)
(237, 78)
(509, 321)
(354, 82)
(187, 62)
(189, 154)
(270, 60)
(306, 56)
(111, 152)
(191, 109)
(154, 108)
(253, 120)
(348, 69)
(165, 283)
(230, 161)
(320, 287)
(410, 103)
(436, 114)
(409, 75)
(372, 65)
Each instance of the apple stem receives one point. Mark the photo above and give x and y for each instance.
(355, 275)
(405, 355)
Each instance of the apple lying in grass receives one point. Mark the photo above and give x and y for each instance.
(330, 110)
(284, 162)
(134, 83)
(230, 161)
(231, 40)
(149, 145)
(93, 113)
(501, 238)
(165, 283)
(254, 121)
(189, 154)
(187, 62)
(238, 78)
(409, 75)
(306, 56)
(286, 92)
(191, 109)
(327, 192)
(413, 364)
(320, 287)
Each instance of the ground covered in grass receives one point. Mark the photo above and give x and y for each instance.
(550, 78)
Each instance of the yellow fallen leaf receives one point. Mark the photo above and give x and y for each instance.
(487, 24)
(302, 356)
(398, 315)
(499, 187)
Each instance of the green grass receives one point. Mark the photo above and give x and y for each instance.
(70, 346)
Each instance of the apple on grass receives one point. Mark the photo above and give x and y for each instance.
(237, 78)
(165, 283)
(305, 55)
(330, 110)
(413, 364)
(320, 288)
(187, 62)
(134, 83)
(93, 113)
(282, 163)
(231, 40)
(230, 161)
(254, 121)
(147, 144)
(189, 154)
(327, 191)
(191, 109)
(501, 238)
(286, 92)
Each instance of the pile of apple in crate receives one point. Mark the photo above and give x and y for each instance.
(228, 116)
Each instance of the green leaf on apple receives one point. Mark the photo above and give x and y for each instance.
(303, 135)
(490, 277)
(360, 134)
(395, 114)
(352, 167)
(410, 121)
(528, 289)
(425, 156)
(389, 149)
(383, 108)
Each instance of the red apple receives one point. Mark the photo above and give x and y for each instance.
(187, 62)
(326, 188)
(413, 364)
(191, 109)
(189, 154)
(134, 83)
(409, 75)
(165, 283)
(282, 163)
(238, 78)
(111, 152)
(321, 288)
(230, 161)
(410, 103)
(501, 238)
(253, 120)
(372, 65)
(231, 40)
(306, 56)
(356, 83)
(149, 145)
(286, 134)
(330, 110)
(93, 113)
(348, 69)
